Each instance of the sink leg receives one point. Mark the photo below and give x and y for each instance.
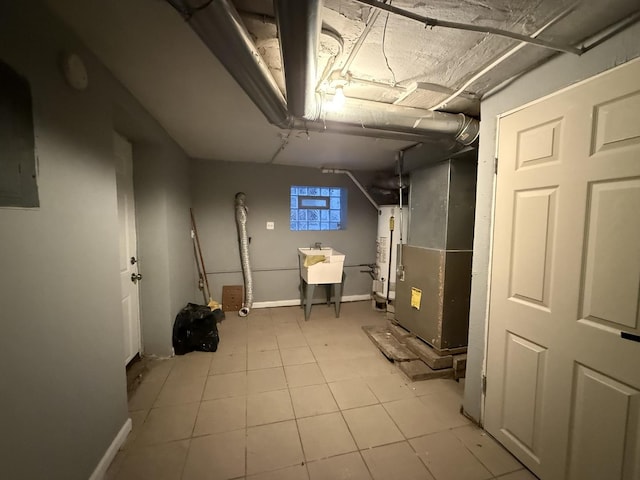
(302, 291)
(327, 290)
(337, 291)
(309, 299)
(337, 287)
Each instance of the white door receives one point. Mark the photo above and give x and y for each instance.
(563, 386)
(128, 256)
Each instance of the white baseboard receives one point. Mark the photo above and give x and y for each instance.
(292, 303)
(109, 455)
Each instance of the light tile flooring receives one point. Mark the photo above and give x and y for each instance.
(285, 399)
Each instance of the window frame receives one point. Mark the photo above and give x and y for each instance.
(335, 206)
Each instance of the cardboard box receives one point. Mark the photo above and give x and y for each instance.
(232, 298)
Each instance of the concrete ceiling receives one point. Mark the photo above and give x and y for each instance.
(157, 56)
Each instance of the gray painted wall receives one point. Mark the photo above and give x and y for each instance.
(560, 72)
(62, 375)
(214, 185)
(161, 183)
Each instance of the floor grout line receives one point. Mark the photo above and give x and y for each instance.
(324, 331)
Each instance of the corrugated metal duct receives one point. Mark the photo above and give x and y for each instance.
(220, 27)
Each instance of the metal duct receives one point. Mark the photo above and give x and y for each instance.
(243, 241)
(299, 46)
(298, 29)
(220, 27)
(403, 119)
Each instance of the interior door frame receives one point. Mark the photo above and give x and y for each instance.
(140, 343)
(494, 187)
(498, 118)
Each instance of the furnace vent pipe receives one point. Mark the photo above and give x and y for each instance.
(399, 264)
(243, 241)
(354, 180)
(221, 29)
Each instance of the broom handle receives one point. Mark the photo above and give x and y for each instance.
(204, 270)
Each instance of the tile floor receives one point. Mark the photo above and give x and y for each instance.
(285, 399)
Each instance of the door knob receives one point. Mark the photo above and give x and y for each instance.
(135, 277)
(133, 260)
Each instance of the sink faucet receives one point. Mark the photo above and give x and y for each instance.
(318, 245)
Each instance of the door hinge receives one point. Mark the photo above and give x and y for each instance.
(495, 165)
(484, 384)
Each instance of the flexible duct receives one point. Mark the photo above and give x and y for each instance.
(243, 241)
(221, 29)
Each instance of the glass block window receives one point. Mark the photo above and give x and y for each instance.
(318, 208)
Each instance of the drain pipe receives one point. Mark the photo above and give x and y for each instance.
(399, 264)
(354, 180)
(243, 240)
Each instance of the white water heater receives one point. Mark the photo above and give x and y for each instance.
(387, 242)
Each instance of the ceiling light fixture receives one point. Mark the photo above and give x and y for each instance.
(338, 98)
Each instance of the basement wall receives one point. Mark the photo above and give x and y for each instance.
(62, 373)
(161, 185)
(273, 253)
(561, 71)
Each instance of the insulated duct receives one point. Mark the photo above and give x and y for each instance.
(221, 29)
(243, 241)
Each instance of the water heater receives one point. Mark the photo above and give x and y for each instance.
(387, 242)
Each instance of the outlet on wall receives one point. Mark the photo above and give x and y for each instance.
(271, 225)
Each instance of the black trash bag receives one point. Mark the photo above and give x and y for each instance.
(195, 329)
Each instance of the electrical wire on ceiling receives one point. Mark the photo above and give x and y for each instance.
(283, 144)
(502, 58)
(386, 59)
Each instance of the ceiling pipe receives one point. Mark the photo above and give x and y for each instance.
(299, 46)
(373, 16)
(433, 22)
(373, 83)
(326, 30)
(403, 119)
(501, 59)
(221, 29)
(354, 180)
(370, 132)
(297, 27)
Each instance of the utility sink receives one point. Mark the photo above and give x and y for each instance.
(321, 270)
